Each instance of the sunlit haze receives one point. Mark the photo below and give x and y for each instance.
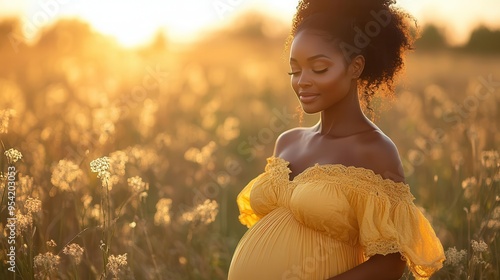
(135, 22)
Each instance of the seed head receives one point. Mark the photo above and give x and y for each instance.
(13, 155)
(116, 264)
(65, 174)
(479, 246)
(162, 215)
(32, 205)
(204, 213)
(45, 265)
(136, 184)
(75, 251)
(101, 167)
(454, 257)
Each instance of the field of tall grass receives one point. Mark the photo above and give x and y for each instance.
(125, 164)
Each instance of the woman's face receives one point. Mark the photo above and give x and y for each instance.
(319, 74)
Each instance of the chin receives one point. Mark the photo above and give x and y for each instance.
(310, 110)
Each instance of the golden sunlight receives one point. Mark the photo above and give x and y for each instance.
(124, 152)
(134, 23)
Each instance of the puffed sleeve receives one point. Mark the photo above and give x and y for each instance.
(247, 215)
(389, 222)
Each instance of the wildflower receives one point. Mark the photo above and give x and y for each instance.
(117, 162)
(143, 158)
(478, 260)
(479, 246)
(469, 185)
(45, 264)
(116, 264)
(415, 156)
(137, 184)
(493, 224)
(230, 130)
(23, 222)
(4, 119)
(13, 155)
(101, 167)
(75, 251)
(454, 257)
(201, 156)
(32, 205)
(51, 243)
(490, 159)
(65, 174)
(205, 213)
(474, 208)
(162, 215)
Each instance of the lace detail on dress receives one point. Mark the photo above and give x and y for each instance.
(358, 179)
(278, 168)
(383, 247)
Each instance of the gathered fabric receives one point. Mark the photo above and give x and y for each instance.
(327, 220)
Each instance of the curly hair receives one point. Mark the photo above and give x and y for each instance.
(375, 29)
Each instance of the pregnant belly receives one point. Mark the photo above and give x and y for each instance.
(279, 247)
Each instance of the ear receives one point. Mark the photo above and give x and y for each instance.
(356, 67)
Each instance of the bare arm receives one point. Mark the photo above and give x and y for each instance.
(378, 267)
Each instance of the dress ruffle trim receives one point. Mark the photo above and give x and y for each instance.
(388, 221)
(366, 181)
(247, 216)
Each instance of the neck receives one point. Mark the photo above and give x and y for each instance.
(344, 118)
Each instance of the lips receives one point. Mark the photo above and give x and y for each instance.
(308, 97)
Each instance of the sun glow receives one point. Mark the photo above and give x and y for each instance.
(131, 22)
(134, 22)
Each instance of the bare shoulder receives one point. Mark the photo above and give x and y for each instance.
(287, 138)
(381, 155)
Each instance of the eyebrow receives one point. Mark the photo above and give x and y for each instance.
(312, 57)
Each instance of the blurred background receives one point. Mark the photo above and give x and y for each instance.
(184, 101)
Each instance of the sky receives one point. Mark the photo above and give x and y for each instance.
(134, 22)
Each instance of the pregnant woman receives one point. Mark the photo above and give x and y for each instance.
(332, 202)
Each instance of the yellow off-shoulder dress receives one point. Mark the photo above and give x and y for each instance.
(327, 220)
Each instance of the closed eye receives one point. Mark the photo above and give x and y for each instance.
(315, 71)
(320, 71)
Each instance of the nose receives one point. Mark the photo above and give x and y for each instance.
(304, 80)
